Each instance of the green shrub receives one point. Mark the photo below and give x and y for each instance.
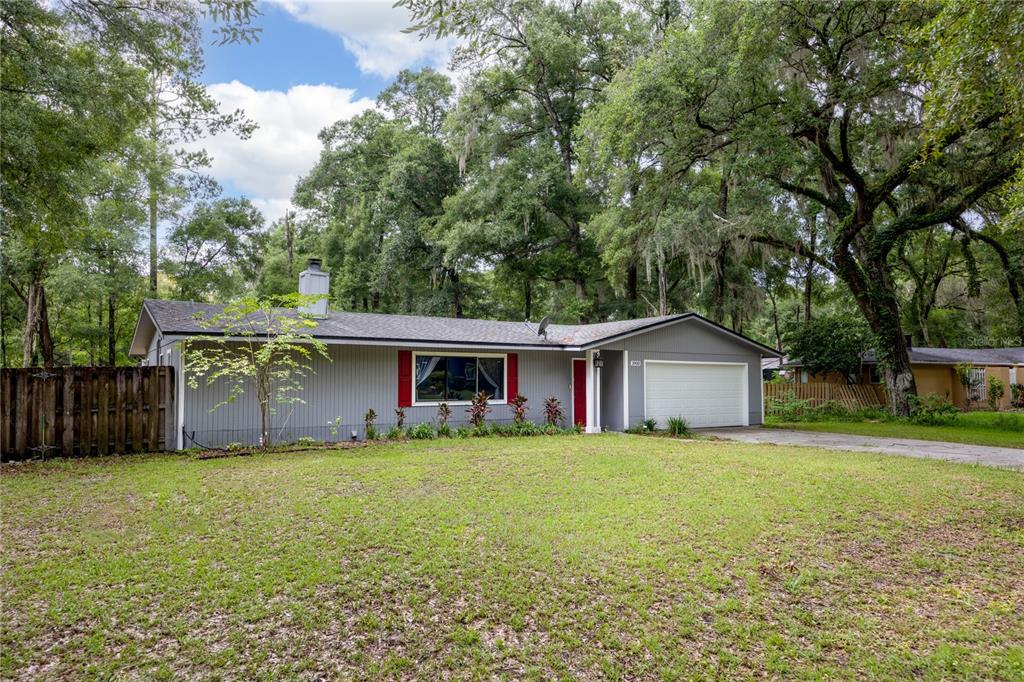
(306, 440)
(235, 447)
(463, 432)
(678, 427)
(996, 391)
(789, 408)
(395, 433)
(932, 410)
(1017, 395)
(444, 430)
(649, 424)
(637, 428)
(421, 432)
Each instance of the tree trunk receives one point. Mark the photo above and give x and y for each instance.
(289, 240)
(527, 298)
(632, 284)
(809, 276)
(264, 426)
(153, 182)
(3, 332)
(111, 333)
(720, 265)
(662, 285)
(45, 340)
(873, 290)
(453, 278)
(28, 340)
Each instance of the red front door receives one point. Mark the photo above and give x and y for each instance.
(579, 391)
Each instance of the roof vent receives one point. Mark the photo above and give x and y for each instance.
(315, 282)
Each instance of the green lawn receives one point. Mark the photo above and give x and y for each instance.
(1004, 429)
(549, 557)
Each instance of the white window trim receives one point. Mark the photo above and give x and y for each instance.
(449, 354)
(746, 388)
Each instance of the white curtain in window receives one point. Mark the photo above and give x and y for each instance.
(483, 370)
(424, 366)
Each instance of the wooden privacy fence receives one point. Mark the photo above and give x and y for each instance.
(852, 397)
(81, 411)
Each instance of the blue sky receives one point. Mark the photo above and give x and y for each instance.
(290, 52)
(316, 62)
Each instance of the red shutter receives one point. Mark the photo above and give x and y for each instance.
(512, 381)
(405, 378)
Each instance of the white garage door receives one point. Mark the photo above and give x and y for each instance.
(705, 394)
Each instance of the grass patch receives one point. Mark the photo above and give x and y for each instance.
(1005, 429)
(602, 556)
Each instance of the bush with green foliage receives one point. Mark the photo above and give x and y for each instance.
(444, 430)
(421, 432)
(463, 432)
(932, 410)
(792, 409)
(395, 433)
(678, 427)
(1017, 395)
(235, 447)
(996, 391)
(650, 424)
(306, 441)
(833, 343)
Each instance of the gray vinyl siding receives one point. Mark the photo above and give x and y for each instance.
(693, 341)
(357, 378)
(611, 390)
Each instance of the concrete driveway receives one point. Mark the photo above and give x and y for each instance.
(954, 452)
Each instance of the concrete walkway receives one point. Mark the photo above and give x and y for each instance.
(954, 452)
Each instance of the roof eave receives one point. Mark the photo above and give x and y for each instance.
(134, 347)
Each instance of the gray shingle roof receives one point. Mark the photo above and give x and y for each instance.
(977, 356)
(180, 317)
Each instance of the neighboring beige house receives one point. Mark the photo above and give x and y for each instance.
(935, 372)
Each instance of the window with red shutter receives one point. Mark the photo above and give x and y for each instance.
(405, 378)
(512, 379)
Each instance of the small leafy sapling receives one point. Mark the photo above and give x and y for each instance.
(368, 419)
(400, 417)
(264, 344)
(996, 391)
(965, 373)
(478, 409)
(553, 413)
(519, 408)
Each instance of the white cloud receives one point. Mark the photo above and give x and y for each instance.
(266, 167)
(372, 30)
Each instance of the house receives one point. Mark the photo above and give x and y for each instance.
(935, 372)
(607, 376)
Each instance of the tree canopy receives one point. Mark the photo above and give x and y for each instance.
(775, 166)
